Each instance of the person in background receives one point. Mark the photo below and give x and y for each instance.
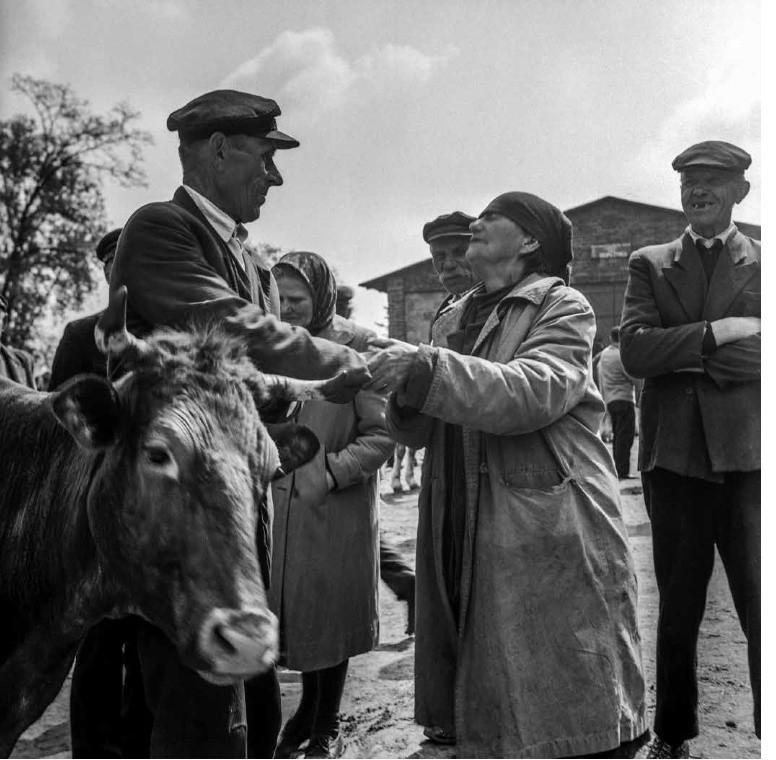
(691, 328)
(108, 713)
(15, 364)
(323, 586)
(540, 587)
(394, 571)
(620, 393)
(77, 353)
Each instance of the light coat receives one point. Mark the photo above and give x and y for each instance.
(325, 565)
(548, 648)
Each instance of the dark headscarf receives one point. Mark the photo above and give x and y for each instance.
(315, 273)
(549, 225)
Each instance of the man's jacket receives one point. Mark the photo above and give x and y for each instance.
(700, 415)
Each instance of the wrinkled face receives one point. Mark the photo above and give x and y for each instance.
(296, 300)
(708, 197)
(496, 241)
(448, 255)
(245, 176)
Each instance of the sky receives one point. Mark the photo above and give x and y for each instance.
(406, 110)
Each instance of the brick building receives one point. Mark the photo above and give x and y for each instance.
(606, 231)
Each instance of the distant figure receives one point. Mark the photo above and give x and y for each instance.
(77, 353)
(15, 364)
(404, 460)
(691, 327)
(620, 392)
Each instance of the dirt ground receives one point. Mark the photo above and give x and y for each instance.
(377, 707)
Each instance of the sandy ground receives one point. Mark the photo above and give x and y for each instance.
(377, 708)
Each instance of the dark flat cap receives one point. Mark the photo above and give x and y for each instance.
(714, 154)
(445, 225)
(106, 248)
(230, 112)
(3, 304)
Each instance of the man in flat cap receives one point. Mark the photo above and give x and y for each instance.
(77, 353)
(691, 328)
(15, 364)
(184, 260)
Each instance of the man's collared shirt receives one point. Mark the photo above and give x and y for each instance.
(706, 242)
(231, 232)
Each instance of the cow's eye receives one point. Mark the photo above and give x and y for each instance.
(157, 454)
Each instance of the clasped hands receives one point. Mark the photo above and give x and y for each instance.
(389, 362)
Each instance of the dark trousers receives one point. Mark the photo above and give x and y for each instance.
(689, 518)
(194, 718)
(108, 714)
(395, 572)
(623, 414)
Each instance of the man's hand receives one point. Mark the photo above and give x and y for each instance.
(730, 329)
(389, 364)
(343, 387)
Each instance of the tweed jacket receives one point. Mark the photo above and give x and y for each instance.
(178, 270)
(700, 415)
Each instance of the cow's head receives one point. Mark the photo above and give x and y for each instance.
(176, 503)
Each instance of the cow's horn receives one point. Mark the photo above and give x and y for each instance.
(110, 332)
(292, 389)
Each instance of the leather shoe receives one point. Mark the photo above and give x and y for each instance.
(325, 745)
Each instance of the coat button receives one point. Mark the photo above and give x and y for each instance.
(688, 391)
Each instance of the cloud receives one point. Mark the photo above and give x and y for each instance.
(307, 73)
(726, 107)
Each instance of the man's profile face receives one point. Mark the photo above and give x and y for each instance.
(448, 255)
(246, 174)
(708, 197)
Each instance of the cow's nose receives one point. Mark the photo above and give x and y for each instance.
(238, 643)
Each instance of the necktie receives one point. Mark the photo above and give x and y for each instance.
(709, 256)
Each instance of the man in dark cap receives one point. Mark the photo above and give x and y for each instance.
(182, 261)
(77, 353)
(691, 327)
(15, 364)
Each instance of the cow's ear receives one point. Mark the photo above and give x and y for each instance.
(88, 407)
(296, 444)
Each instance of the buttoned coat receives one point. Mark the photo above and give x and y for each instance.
(325, 566)
(548, 649)
(700, 416)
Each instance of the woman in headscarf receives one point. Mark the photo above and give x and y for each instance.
(324, 578)
(531, 573)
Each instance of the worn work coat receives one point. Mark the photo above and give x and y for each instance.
(325, 564)
(548, 649)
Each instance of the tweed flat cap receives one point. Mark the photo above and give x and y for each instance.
(107, 245)
(445, 225)
(231, 112)
(714, 154)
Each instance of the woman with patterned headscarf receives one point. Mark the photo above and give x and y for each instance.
(324, 579)
(529, 579)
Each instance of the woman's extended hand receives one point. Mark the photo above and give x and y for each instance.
(389, 363)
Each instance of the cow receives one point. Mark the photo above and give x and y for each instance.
(141, 496)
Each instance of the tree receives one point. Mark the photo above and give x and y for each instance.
(52, 209)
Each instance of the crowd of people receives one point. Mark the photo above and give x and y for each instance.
(524, 597)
